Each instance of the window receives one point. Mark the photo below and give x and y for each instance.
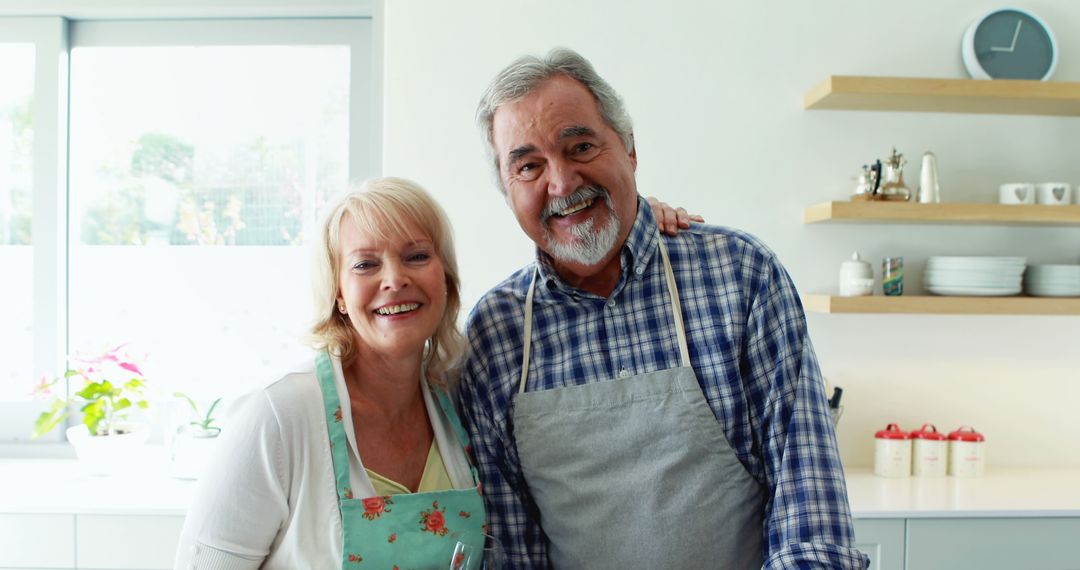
(16, 214)
(199, 154)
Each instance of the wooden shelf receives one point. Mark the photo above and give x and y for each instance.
(910, 304)
(998, 96)
(913, 212)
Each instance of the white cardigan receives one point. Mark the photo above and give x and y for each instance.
(268, 499)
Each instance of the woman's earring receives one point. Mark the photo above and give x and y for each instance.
(341, 308)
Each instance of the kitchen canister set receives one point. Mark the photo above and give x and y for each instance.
(926, 452)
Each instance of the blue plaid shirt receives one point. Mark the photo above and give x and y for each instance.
(748, 346)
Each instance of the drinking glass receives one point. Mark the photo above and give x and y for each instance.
(467, 557)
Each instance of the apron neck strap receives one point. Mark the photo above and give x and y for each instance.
(324, 370)
(676, 311)
(676, 305)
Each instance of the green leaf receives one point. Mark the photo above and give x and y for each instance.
(93, 415)
(71, 373)
(48, 420)
(194, 407)
(142, 404)
(96, 390)
(121, 404)
(210, 412)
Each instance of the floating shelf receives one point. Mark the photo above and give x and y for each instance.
(911, 304)
(913, 212)
(998, 96)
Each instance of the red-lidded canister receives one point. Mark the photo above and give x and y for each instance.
(929, 449)
(967, 453)
(892, 452)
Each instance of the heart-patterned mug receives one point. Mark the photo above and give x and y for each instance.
(1053, 194)
(1017, 193)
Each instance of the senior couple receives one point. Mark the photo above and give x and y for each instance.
(642, 395)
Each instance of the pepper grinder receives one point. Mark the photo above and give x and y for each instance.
(929, 192)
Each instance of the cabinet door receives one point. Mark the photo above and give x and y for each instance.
(993, 543)
(883, 541)
(37, 541)
(121, 542)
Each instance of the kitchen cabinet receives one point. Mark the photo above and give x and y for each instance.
(54, 515)
(950, 96)
(985, 543)
(37, 541)
(105, 542)
(883, 541)
(1014, 517)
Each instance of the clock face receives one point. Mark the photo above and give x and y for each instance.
(1012, 45)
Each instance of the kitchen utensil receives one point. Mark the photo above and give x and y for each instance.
(892, 452)
(929, 451)
(1016, 193)
(892, 179)
(967, 453)
(1053, 194)
(929, 191)
(892, 276)
(856, 277)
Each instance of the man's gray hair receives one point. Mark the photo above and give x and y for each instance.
(527, 73)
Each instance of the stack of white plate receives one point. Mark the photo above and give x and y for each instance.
(1053, 281)
(976, 276)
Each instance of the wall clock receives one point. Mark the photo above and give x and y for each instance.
(1010, 43)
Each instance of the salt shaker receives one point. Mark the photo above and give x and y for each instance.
(929, 449)
(892, 452)
(929, 192)
(967, 454)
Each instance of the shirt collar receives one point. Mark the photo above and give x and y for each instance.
(636, 252)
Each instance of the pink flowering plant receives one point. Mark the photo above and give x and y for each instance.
(108, 387)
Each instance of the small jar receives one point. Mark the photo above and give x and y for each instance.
(856, 277)
(892, 452)
(967, 453)
(928, 452)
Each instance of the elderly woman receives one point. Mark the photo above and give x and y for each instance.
(359, 456)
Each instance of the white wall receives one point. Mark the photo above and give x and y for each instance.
(715, 89)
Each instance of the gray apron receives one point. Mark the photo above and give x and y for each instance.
(636, 472)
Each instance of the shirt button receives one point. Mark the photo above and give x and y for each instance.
(624, 373)
(639, 270)
(611, 302)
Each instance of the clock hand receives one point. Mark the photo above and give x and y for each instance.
(1012, 46)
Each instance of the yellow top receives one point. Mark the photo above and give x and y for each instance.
(435, 477)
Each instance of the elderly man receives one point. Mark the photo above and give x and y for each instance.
(638, 400)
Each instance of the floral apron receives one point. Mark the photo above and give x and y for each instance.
(411, 531)
(636, 472)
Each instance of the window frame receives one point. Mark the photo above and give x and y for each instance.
(49, 36)
(54, 38)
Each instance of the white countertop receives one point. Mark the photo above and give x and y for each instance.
(1002, 492)
(62, 486)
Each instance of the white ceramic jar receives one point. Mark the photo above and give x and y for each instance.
(929, 450)
(892, 452)
(856, 277)
(967, 453)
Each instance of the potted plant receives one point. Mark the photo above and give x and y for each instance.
(107, 388)
(194, 441)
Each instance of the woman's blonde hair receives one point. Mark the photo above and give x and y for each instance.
(384, 207)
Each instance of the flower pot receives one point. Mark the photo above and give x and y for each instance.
(108, 454)
(191, 450)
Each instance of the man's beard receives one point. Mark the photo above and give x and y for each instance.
(588, 245)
